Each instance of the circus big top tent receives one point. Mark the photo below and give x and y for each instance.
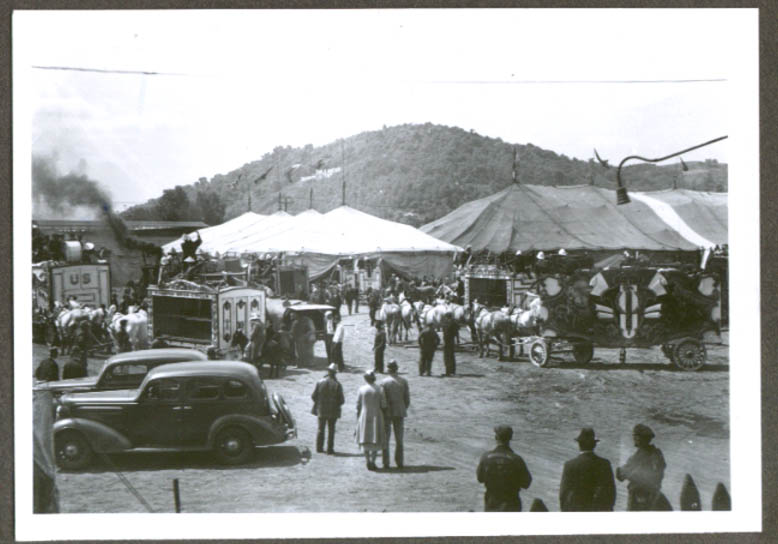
(523, 217)
(320, 241)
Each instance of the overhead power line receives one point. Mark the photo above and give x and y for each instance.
(571, 81)
(109, 71)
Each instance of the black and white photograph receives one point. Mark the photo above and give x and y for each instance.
(385, 273)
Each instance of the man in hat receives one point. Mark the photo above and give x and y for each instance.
(337, 343)
(504, 474)
(398, 398)
(379, 346)
(644, 470)
(327, 399)
(428, 343)
(587, 480)
(48, 370)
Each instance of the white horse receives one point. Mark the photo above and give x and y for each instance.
(408, 316)
(135, 324)
(391, 315)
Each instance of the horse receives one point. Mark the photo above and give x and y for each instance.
(492, 325)
(67, 321)
(525, 322)
(408, 316)
(463, 316)
(391, 316)
(135, 324)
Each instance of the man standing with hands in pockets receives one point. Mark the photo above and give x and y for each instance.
(398, 398)
(327, 400)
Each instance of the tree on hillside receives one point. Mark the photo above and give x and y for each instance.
(174, 205)
(211, 207)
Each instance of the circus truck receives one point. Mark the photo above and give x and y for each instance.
(86, 281)
(187, 314)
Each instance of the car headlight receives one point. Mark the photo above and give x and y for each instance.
(62, 411)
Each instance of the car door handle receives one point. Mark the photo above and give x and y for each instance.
(177, 408)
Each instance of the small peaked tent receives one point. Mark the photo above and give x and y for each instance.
(523, 217)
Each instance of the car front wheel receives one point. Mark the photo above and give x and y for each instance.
(233, 446)
(72, 450)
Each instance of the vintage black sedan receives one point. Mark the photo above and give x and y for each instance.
(221, 406)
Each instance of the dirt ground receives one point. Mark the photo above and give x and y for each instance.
(449, 426)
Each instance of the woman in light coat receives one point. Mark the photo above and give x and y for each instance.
(371, 404)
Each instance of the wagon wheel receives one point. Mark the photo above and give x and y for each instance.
(540, 352)
(583, 352)
(689, 354)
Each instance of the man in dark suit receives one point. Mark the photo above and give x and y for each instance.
(587, 480)
(504, 474)
(327, 400)
(379, 346)
(428, 343)
(398, 398)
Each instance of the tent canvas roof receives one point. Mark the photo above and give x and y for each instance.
(585, 217)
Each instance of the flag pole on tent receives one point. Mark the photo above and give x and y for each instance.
(515, 164)
(310, 199)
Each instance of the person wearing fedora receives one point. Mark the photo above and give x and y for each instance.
(327, 399)
(504, 474)
(587, 480)
(398, 398)
(644, 470)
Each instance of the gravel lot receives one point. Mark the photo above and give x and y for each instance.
(449, 426)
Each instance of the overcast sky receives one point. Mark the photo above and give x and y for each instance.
(244, 82)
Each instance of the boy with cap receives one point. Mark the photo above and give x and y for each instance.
(504, 474)
(327, 399)
(644, 470)
(587, 480)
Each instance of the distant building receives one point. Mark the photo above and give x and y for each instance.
(126, 264)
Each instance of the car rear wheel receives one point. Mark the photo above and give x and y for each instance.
(72, 450)
(233, 446)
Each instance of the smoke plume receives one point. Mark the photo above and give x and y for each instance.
(72, 196)
(77, 197)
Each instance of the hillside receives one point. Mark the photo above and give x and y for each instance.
(408, 173)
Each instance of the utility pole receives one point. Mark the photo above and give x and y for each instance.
(343, 173)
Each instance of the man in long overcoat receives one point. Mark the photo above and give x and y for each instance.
(398, 398)
(644, 470)
(504, 474)
(587, 480)
(327, 399)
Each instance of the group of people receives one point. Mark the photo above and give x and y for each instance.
(587, 483)
(381, 409)
(48, 369)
